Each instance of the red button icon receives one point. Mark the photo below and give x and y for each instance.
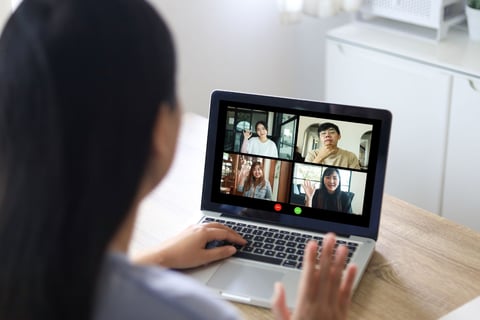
(277, 207)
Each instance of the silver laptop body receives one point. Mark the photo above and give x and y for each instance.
(293, 126)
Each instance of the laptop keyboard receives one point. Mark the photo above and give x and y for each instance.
(275, 246)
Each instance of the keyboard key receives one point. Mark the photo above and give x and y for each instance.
(280, 255)
(258, 238)
(292, 257)
(259, 251)
(290, 263)
(248, 237)
(272, 260)
(268, 246)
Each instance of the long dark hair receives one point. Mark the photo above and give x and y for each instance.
(81, 82)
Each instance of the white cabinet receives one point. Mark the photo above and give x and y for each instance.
(417, 96)
(461, 201)
(433, 151)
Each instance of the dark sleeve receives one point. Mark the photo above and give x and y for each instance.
(315, 198)
(347, 201)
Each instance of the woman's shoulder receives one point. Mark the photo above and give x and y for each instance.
(127, 291)
(346, 195)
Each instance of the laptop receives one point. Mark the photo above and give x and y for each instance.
(271, 209)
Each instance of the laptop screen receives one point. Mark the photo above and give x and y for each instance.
(296, 163)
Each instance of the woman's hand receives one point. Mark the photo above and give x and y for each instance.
(309, 191)
(247, 134)
(309, 188)
(187, 249)
(245, 170)
(322, 293)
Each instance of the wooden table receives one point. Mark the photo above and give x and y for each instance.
(424, 266)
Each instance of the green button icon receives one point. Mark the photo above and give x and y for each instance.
(297, 210)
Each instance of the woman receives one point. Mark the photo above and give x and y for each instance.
(253, 184)
(328, 196)
(260, 145)
(88, 126)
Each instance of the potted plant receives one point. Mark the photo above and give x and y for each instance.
(473, 19)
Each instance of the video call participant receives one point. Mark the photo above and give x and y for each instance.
(252, 182)
(260, 145)
(329, 153)
(89, 121)
(328, 196)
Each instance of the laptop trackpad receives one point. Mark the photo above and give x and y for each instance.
(235, 278)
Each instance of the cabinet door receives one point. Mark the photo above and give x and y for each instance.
(461, 200)
(418, 97)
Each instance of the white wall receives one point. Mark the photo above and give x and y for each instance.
(5, 10)
(241, 45)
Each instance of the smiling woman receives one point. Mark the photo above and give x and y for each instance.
(329, 196)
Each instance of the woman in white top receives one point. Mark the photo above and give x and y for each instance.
(88, 126)
(260, 145)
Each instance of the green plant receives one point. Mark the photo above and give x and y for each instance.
(475, 4)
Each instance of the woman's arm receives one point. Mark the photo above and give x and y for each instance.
(242, 176)
(246, 135)
(268, 191)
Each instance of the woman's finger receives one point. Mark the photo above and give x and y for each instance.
(222, 234)
(326, 259)
(218, 253)
(211, 226)
(307, 287)
(336, 273)
(347, 287)
(279, 304)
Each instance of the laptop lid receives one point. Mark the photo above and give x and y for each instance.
(286, 140)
